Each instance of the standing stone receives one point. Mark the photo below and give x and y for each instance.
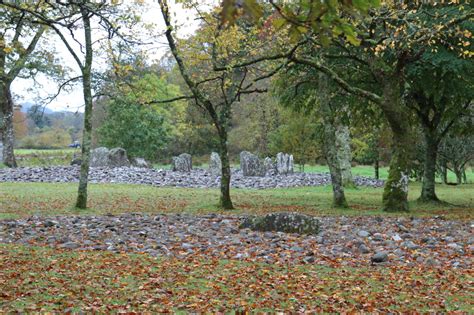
(118, 158)
(1, 152)
(284, 163)
(270, 166)
(251, 165)
(140, 162)
(182, 163)
(215, 164)
(100, 157)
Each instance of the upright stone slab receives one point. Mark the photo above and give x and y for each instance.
(270, 166)
(118, 158)
(100, 157)
(1, 152)
(140, 162)
(251, 165)
(215, 164)
(284, 163)
(182, 163)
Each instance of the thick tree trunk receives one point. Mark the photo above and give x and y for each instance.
(458, 172)
(330, 144)
(344, 154)
(339, 198)
(428, 192)
(8, 134)
(81, 201)
(225, 200)
(395, 196)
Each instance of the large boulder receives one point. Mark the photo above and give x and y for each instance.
(284, 163)
(251, 165)
(118, 158)
(287, 222)
(99, 157)
(182, 163)
(215, 164)
(140, 162)
(269, 166)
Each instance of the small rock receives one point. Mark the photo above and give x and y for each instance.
(379, 257)
(364, 249)
(363, 233)
(309, 259)
(396, 238)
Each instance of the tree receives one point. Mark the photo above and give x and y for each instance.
(19, 37)
(440, 95)
(213, 85)
(65, 18)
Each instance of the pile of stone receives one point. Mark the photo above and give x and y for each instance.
(346, 240)
(196, 178)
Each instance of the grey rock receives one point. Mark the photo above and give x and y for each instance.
(284, 163)
(251, 165)
(363, 233)
(364, 249)
(140, 162)
(309, 259)
(396, 238)
(182, 163)
(410, 245)
(269, 166)
(215, 164)
(379, 257)
(283, 222)
(99, 157)
(118, 158)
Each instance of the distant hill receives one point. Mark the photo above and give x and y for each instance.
(27, 105)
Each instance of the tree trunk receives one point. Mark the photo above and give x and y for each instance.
(458, 172)
(81, 201)
(429, 169)
(225, 200)
(377, 168)
(344, 155)
(330, 144)
(443, 171)
(395, 196)
(8, 134)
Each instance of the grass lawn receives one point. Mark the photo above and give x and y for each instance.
(43, 279)
(20, 152)
(24, 199)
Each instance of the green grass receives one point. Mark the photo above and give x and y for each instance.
(51, 152)
(24, 199)
(36, 279)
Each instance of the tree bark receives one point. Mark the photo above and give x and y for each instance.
(81, 201)
(330, 144)
(428, 192)
(395, 196)
(225, 200)
(377, 168)
(8, 134)
(344, 155)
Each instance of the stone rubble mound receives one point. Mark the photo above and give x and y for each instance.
(196, 178)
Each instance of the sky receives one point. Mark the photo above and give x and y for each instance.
(72, 99)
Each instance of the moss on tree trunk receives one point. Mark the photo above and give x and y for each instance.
(395, 196)
(8, 134)
(428, 192)
(81, 201)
